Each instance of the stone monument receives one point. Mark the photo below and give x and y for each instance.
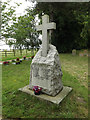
(46, 69)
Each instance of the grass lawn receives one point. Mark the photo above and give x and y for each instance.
(21, 105)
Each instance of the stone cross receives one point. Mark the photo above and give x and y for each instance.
(45, 33)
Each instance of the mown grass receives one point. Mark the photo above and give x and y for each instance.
(17, 104)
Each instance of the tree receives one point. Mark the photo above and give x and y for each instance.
(71, 31)
(22, 28)
(8, 16)
(82, 15)
(24, 31)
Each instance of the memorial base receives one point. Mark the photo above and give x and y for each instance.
(46, 72)
(56, 99)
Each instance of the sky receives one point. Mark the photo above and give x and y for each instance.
(19, 12)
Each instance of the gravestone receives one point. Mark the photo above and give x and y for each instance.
(85, 52)
(81, 54)
(73, 52)
(46, 69)
(88, 54)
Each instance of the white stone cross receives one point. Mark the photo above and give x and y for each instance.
(45, 33)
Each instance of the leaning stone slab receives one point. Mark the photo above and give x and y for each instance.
(56, 99)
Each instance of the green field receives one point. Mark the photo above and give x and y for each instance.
(21, 105)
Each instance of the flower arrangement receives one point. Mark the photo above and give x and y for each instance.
(20, 60)
(17, 61)
(32, 57)
(37, 90)
(13, 60)
(6, 63)
(24, 57)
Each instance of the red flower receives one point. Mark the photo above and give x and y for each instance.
(24, 56)
(17, 59)
(6, 63)
(32, 57)
(37, 89)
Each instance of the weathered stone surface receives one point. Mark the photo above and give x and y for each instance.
(56, 100)
(46, 72)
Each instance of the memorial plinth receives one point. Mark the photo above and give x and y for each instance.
(46, 72)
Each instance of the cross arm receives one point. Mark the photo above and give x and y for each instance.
(39, 27)
(51, 25)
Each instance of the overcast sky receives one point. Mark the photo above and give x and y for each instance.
(19, 11)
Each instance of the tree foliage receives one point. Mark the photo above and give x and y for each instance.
(22, 28)
(72, 24)
(24, 31)
(8, 17)
(71, 20)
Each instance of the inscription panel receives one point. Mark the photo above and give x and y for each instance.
(40, 77)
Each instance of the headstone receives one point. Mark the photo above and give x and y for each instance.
(45, 67)
(81, 54)
(88, 54)
(85, 52)
(73, 52)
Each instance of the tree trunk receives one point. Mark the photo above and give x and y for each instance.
(20, 51)
(26, 51)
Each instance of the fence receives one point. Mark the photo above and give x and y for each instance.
(16, 52)
(6, 53)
